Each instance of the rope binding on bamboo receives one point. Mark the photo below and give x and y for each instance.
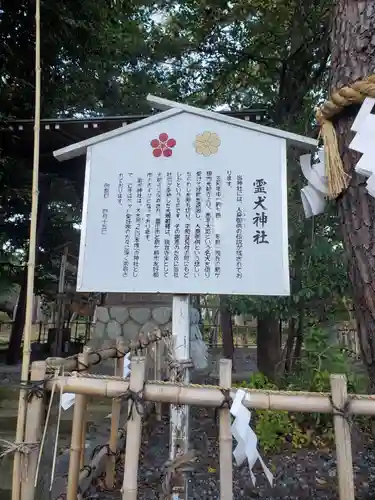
(134, 346)
(136, 402)
(32, 388)
(23, 448)
(225, 404)
(338, 179)
(343, 412)
(177, 367)
(174, 469)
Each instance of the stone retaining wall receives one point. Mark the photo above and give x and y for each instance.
(117, 321)
(113, 322)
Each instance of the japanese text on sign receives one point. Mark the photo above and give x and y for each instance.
(183, 230)
(239, 226)
(260, 217)
(183, 233)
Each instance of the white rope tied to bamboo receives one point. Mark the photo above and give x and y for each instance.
(23, 448)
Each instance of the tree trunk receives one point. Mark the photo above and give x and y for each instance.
(299, 337)
(353, 57)
(292, 333)
(268, 347)
(14, 349)
(213, 333)
(226, 329)
(195, 301)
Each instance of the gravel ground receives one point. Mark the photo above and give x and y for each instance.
(305, 474)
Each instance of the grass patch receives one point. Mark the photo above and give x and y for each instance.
(277, 430)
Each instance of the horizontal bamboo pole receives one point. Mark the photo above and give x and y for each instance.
(211, 396)
(72, 363)
(96, 357)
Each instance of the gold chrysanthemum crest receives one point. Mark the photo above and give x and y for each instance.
(207, 144)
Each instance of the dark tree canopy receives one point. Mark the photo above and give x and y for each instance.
(101, 58)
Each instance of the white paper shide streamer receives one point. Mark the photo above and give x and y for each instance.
(364, 142)
(246, 438)
(314, 194)
(68, 398)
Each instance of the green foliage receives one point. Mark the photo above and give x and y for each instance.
(320, 358)
(102, 57)
(96, 58)
(274, 429)
(264, 54)
(277, 429)
(318, 279)
(244, 53)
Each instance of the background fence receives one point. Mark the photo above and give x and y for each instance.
(78, 333)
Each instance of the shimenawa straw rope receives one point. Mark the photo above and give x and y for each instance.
(338, 179)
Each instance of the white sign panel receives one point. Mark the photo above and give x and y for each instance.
(186, 205)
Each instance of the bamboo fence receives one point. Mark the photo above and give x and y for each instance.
(138, 394)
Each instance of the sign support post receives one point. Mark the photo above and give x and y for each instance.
(179, 414)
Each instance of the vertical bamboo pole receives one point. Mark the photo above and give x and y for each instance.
(59, 348)
(157, 371)
(342, 439)
(84, 358)
(115, 420)
(147, 352)
(76, 441)
(179, 421)
(133, 434)
(33, 433)
(167, 371)
(16, 485)
(225, 439)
